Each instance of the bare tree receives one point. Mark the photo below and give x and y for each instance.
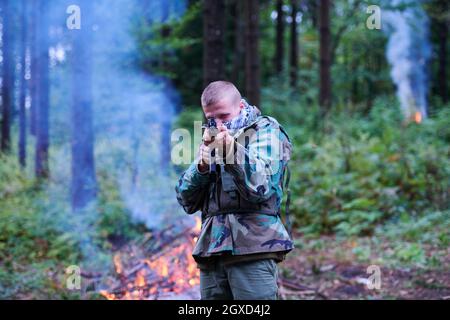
(279, 50)
(443, 26)
(294, 45)
(325, 59)
(8, 76)
(213, 41)
(23, 88)
(42, 83)
(238, 52)
(252, 63)
(84, 186)
(33, 65)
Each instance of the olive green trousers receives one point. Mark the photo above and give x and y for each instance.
(249, 280)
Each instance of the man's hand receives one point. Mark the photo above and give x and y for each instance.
(205, 151)
(223, 141)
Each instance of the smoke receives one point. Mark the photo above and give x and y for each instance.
(133, 113)
(408, 51)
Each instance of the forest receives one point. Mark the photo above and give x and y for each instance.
(92, 92)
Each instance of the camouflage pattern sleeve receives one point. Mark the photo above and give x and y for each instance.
(259, 162)
(191, 188)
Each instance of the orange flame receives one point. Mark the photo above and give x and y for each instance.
(418, 117)
(174, 267)
(109, 296)
(140, 279)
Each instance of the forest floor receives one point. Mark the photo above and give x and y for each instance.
(328, 268)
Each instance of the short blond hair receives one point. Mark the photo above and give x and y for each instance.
(217, 91)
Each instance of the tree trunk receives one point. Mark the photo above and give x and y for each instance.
(42, 106)
(279, 53)
(238, 52)
(313, 11)
(8, 77)
(252, 64)
(23, 89)
(84, 186)
(33, 65)
(165, 123)
(325, 63)
(443, 56)
(213, 41)
(294, 46)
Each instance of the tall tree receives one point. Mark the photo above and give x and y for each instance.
(84, 185)
(238, 46)
(165, 122)
(42, 82)
(213, 41)
(325, 59)
(33, 64)
(279, 51)
(23, 87)
(8, 76)
(293, 70)
(252, 61)
(442, 24)
(311, 7)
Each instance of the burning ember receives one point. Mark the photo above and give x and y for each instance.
(159, 267)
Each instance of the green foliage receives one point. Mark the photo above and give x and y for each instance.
(40, 236)
(31, 247)
(166, 47)
(352, 172)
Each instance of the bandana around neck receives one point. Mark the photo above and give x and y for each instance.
(247, 115)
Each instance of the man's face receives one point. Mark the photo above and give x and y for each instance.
(224, 110)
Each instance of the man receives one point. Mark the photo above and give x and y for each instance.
(242, 237)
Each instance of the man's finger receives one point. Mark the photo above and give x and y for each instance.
(221, 136)
(207, 137)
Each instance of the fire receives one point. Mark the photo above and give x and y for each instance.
(109, 296)
(118, 263)
(140, 279)
(418, 117)
(169, 270)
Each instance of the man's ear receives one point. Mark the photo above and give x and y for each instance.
(241, 105)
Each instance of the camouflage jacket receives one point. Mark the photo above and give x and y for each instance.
(243, 234)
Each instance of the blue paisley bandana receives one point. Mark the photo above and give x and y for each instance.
(247, 115)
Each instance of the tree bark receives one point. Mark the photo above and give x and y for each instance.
(42, 106)
(238, 52)
(293, 70)
(325, 62)
(8, 77)
(33, 66)
(23, 89)
(443, 56)
(252, 64)
(84, 185)
(213, 41)
(279, 53)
